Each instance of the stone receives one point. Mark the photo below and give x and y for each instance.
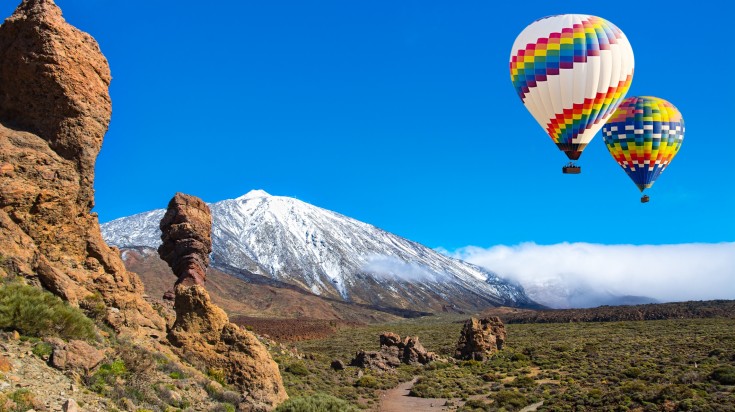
(5, 365)
(338, 365)
(393, 352)
(480, 338)
(70, 406)
(202, 331)
(74, 355)
(54, 111)
(186, 238)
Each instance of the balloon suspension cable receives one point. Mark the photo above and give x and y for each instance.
(571, 169)
(645, 199)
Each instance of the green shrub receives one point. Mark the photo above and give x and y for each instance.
(297, 368)
(367, 381)
(42, 349)
(475, 405)
(316, 403)
(509, 398)
(217, 375)
(23, 399)
(107, 376)
(724, 375)
(224, 407)
(34, 312)
(94, 306)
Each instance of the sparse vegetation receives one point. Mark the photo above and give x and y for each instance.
(316, 403)
(34, 312)
(678, 364)
(42, 350)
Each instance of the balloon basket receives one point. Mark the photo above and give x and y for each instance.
(571, 169)
(645, 199)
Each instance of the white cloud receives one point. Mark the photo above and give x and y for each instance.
(390, 267)
(555, 274)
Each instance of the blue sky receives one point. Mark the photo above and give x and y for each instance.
(402, 115)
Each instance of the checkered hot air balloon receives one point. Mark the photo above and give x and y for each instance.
(643, 135)
(571, 71)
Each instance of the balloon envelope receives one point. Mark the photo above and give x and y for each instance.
(571, 71)
(643, 135)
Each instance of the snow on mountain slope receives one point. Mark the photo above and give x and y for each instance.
(330, 255)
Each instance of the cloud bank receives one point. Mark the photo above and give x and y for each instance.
(556, 275)
(390, 267)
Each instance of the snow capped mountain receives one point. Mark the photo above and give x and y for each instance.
(330, 255)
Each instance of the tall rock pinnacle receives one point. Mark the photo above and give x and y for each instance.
(186, 232)
(202, 330)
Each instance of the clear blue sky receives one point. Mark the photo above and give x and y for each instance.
(402, 114)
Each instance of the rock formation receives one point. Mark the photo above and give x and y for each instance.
(393, 352)
(187, 239)
(54, 111)
(75, 355)
(480, 338)
(202, 331)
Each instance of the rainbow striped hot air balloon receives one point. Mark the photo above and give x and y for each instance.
(571, 71)
(643, 136)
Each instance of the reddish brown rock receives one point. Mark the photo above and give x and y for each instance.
(393, 352)
(74, 355)
(186, 238)
(480, 338)
(5, 365)
(54, 111)
(202, 331)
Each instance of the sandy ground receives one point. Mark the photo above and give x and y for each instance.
(397, 400)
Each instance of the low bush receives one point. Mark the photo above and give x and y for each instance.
(724, 375)
(316, 403)
(297, 368)
(509, 398)
(367, 381)
(42, 350)
(34, 312)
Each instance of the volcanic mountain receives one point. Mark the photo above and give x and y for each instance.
(330, 255)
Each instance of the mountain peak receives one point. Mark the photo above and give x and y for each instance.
(328, 254)
(254, 194)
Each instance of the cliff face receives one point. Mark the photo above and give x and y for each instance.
(54, 111)
(202, 331)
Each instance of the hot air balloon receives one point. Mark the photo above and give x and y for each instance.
(643, 135)
(571, 71)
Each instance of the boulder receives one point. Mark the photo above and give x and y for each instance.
(74, 355)
(480, 338)
(394, 351)
(338, 365)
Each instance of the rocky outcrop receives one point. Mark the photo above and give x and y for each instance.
(54, 111)
(187, 239)
(74, 355)
(480, 338)
(202, 331)
(393, 352)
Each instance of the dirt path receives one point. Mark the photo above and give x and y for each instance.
(397, 400)
(532, 407)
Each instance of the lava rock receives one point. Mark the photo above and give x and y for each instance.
(480, 338)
